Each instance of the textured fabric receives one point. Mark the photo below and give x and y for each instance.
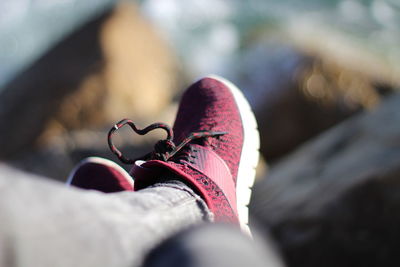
(211, 165)
(213, 245)
(215, 198)
(101, 177)
(44, 223)
(208, 105)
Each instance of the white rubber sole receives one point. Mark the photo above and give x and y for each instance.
(249, 156)
(100, 161)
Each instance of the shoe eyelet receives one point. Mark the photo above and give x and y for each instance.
(217, 193)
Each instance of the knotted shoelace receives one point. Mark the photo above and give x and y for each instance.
(164, 149)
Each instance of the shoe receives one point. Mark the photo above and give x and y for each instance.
(214, 150)
(100, 174)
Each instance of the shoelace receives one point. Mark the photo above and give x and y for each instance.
(163, 149)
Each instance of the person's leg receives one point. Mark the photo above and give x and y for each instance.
(44, 223)
(212, 245)
(213, 148)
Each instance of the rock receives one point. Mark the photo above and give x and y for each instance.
(336, 201)
(29, 101)
(114, 67)
(297, 95)
(141, 69)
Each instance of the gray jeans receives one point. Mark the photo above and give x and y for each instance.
(44, 223)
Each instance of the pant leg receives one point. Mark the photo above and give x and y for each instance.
(213, 245)
(44, 223)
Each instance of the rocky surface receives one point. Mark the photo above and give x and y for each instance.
(91, 79)
(32, 98)
(336, 201)
(297, 95)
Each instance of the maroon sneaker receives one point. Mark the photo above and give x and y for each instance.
(100, 174)
(214, 150)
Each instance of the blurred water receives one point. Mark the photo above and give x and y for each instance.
(207, 34)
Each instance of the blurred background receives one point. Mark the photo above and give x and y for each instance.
(321, 75)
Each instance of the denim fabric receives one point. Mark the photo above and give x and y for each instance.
(213, 245)
(43, 223)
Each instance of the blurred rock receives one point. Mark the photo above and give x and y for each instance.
(296, 96)
(34, 96)
(357, 42)
(114, 67)
(336, 200)
(141, 70)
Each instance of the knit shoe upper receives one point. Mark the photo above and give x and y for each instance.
(100, 174)
(209, 105)
(219, 166)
